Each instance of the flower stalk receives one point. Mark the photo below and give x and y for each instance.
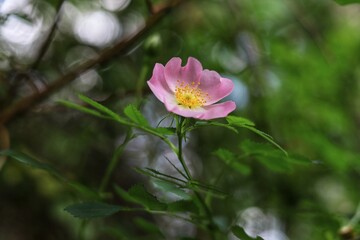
(181, 123)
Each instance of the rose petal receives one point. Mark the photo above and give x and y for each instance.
(158, 84)
(172, 106)
(215, 86)
(209, 112)
(218, 110)
(188, 74)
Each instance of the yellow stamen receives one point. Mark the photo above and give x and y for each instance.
(189, 95)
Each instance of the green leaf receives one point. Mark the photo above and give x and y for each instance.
(344, 2)
(165, 131)
(182, 206)
(208, 189)
(84, 190)
(246, 123)
(211, 123)
(143, 197)
(240, 168)
(268, 138)
(102, 109)
(240, 233)
(275, 162)
(138, 194)
(32, 162)
(170, 187)
(193, 185)
(252, 148)
(269, 156)
(161, 176)
(147, 226)
(88, 210)
(225, 155)
(135, 115)
(239, 121)
(81, 108)
(232, 161)
(299, 159)
(29, 161)
(223, 125)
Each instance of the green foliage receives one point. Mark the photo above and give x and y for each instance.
(167, 186)
(182, 206)
(299, 82)
(245, 123)
(138, 194)
(239, 121)
(193, 185)
(161, 176)
(233, 161)
(81, 108)
(271, 158)
(164, 131)
(29, 161)
(87, 210)
(102, 109)
(147, 226)
(135, 115)
(344, 2)
(241, 234)
(212, 123)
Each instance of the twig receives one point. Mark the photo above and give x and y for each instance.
(149, 5)
(4, 143)
(50, 36)
(26, 103)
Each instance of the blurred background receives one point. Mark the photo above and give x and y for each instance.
(296, 69)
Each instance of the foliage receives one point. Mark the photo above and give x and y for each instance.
(94, 155)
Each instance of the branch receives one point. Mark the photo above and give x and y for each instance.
(26, 103)
(50, 36)
(149, 6)
(4, 143)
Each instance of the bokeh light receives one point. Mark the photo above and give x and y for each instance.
(97, 28)
(115, 5)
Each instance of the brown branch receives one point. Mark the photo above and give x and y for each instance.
(26, 103)
(50, 36)
(149, 5)
(4, 143)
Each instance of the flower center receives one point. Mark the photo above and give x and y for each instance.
(189, 95)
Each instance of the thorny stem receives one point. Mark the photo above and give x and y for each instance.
(180, 130)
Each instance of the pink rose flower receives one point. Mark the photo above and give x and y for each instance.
(190, 91)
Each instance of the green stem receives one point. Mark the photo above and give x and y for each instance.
(180, 126)
(141, 82)
(148, 130)
(81, 231)
(114, 161)
(180, 134)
